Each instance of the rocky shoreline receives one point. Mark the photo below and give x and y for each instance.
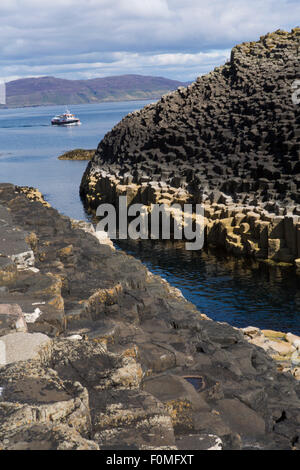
(98, 353)
(230, 141)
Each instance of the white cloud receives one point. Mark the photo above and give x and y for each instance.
(122, 62)
(37, 35)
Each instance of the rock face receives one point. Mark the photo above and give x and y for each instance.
(117, 359)
(230, 141)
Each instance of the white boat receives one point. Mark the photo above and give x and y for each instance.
(66, 119)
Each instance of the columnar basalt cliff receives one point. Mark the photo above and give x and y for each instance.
(96, 352)
(230, 141)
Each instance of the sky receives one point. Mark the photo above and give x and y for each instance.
(177, 39)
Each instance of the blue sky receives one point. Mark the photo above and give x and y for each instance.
(78, 39)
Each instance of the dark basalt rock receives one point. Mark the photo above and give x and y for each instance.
(123, 380)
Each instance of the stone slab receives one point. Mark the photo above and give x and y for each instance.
(21, 346)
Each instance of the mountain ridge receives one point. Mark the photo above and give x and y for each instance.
(230, 141)
(49, 90)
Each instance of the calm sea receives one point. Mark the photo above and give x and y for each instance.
(236, 291)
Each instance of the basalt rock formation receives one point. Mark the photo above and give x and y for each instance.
(96, 352)
(230, 140)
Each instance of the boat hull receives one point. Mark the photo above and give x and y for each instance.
(69, 123)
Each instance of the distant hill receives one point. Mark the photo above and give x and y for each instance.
(56, 91)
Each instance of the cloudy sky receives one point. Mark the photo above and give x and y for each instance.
(178, 39)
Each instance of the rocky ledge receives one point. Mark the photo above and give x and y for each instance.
(77, 154)
(229, 141)
(98, 353)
